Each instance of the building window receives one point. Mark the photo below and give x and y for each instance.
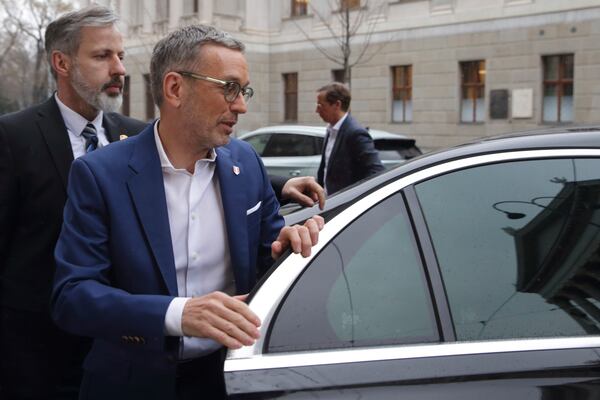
(126, 106)
(338, 75)
(349, 4)
(149, 100)
(299, 8)
(290, 92)
(137, 12)
(472, 91)
(162, 10)
(558, 88)
(190, 7)
(402, 93)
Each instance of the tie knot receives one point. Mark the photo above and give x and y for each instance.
(91, 138)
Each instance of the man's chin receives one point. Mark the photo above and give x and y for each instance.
(109, 103)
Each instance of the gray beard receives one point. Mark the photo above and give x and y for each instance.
(95, 98)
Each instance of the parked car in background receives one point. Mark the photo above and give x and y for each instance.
(470, 273)
(295, 150)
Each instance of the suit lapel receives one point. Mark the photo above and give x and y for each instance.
(53, 129)
(340, 137)
(111, 127)
(233, 199)
(148, 194)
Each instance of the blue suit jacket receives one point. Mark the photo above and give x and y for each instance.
(115, 268)
(352, 158)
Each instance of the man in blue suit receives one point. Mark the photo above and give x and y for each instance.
(348, 151)
(166, 232)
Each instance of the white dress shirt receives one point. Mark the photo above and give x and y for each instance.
(199, 240)
(75, 124)
(332, 135)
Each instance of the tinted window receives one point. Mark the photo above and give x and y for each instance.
(365, 288)
(259, 142)
(396, 149)
(288, 145)
(517, 245)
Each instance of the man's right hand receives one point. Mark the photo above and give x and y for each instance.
(304, 190)
(226, 319)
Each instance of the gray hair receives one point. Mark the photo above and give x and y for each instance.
(64, 33)
(180, 50)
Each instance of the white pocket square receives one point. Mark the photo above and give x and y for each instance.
(256, 207)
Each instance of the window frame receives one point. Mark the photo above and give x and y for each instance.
(423, 270)
(298, 8)
(405, 87)
(290, 97)
(472, 86)
(560, 83)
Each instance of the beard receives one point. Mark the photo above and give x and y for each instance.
(95, 97)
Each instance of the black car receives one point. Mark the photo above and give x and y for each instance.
(471, 273)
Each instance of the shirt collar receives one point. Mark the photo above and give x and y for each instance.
(338, 124)
(165, 163)
(74, 121)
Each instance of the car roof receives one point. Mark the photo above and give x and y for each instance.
(550, 138)
(316, 130)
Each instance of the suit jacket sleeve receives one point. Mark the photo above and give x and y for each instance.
(277, 182)
(82, 285)
(8, 194)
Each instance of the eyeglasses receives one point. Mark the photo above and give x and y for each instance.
(231, 89)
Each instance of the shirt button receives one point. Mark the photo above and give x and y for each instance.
(193, 216)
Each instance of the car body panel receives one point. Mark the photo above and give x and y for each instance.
(525, 368)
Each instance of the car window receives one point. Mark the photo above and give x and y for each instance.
(517, 244)
(290, 145)
(259, 142)
(366, 287)
(396, 149)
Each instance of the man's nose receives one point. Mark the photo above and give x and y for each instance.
(239, 105)
(117, 67)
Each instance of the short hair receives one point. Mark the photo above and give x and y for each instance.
(64, 33)
(180, 50)
(337, 91)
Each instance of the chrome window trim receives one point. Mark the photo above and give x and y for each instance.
(365, 354)
(265, 301)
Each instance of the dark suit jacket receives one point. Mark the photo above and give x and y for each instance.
(352, 158)
(116, 273)
(35, 157)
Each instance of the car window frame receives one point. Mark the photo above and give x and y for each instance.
(274, 289)
(422, 267)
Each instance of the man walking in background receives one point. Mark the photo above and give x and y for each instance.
(349, 154)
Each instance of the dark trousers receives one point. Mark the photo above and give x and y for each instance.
(198, 379)
(38, 360)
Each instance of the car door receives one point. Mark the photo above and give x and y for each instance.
(434, 287)
(290, 154)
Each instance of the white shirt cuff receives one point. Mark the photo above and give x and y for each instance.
(174, 315)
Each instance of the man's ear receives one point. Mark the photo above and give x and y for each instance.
(61, 63)
(173, 89)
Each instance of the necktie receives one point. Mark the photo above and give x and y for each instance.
(91, 138)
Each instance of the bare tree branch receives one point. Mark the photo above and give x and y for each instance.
(343, 25)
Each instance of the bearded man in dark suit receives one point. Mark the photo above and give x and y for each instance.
(37, 146)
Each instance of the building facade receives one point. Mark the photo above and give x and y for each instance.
(442, 71)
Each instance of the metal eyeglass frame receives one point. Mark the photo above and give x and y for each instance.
(231, 90)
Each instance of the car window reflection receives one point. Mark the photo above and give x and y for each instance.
(517, 245)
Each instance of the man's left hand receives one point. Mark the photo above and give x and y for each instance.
(299, 238)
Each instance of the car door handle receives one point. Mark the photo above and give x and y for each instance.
(295, 172)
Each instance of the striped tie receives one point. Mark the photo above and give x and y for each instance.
(91, 138)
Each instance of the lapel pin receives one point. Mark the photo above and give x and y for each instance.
(123, 137)
(236, 170)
